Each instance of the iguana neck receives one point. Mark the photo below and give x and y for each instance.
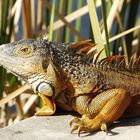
(50, 77)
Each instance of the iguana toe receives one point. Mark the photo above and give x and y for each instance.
(74, 120)
(86, 125)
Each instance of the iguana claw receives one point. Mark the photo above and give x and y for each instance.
(74, 120)
(86, 125)
(74, 128)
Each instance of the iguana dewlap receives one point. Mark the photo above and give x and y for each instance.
(100, 92)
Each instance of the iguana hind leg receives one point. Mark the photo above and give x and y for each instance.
(103, 110)
(48, 107)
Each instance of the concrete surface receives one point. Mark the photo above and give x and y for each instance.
(57, 128)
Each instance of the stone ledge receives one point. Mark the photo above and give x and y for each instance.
(57, 128)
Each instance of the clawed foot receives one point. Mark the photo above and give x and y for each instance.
(85, 125)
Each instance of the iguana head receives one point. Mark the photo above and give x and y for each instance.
(28, 59)
(24, 58)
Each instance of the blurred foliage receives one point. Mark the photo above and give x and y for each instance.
(63, 21)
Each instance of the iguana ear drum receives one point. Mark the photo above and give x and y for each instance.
(46, 88)
(45, 64)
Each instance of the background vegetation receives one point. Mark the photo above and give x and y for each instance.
(113, 24)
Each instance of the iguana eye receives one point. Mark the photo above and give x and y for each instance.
(24, 51)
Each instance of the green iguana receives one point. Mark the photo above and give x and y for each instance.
(100, 92)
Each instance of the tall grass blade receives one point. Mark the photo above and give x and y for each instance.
(78, 21)
(134, 5)
(0, 14)
(16, 12)
(107, 48)
(111, 15)
(109, 5)
(4, 22)
(33, 14)
(65, 21)
(121, 28)
(27, 24)
(14, 94)
(61, 9)
(51, 21)
(69, 10)
(96, 28)
(40, 14)
(5, 8)
(123, 33)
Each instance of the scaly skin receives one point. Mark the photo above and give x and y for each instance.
(99, 92)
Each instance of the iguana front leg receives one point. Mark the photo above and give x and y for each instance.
(101, 111)
(48, 107)
(46, 90)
